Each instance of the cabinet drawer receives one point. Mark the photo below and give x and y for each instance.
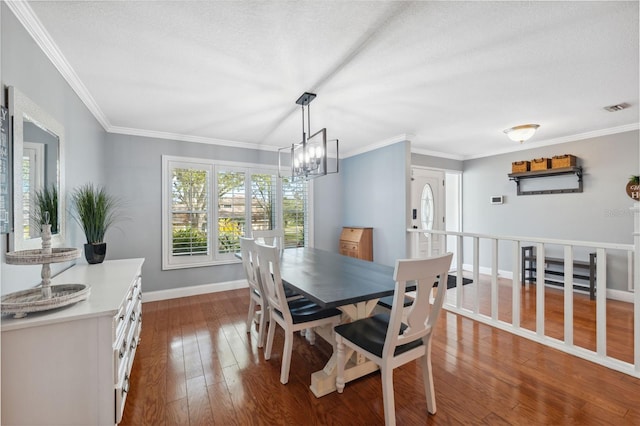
(348, 246)
(134, 294)
(127, 332)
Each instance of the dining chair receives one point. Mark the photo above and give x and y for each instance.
(275, 237)
(250, 266)
(292, 315)
(271, 237)
(390, 343)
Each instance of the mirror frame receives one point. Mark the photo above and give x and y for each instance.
(19, 107)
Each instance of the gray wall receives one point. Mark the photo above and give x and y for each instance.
(133, 169)
(376, 194)
(26, 67)
(134, 173)
(600, 213)
(328, 195)
(431, 161)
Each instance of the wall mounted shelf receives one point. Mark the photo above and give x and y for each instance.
(516, 177)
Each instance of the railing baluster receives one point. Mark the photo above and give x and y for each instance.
(540, 284)
(476, 275)
(494, 279)
(459, 270)
(568, 295)
(516, 286)
(601, 302)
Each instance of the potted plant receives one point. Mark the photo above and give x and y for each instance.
(95, 211)
(46, 209)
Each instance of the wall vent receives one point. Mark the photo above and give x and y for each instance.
(618, 107)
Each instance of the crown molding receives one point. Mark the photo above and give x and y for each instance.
(41, 36)
(437, 154)
(561, 140)
(187, 138)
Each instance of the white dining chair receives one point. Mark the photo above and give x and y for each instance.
(293, 315)
(390, 343)
(250, 266)
(270, 237)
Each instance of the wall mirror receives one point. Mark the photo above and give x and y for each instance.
(38, 164)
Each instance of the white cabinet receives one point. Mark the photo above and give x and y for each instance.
(71, 366)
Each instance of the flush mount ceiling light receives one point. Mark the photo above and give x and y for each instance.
(521, 133)
(314, 156)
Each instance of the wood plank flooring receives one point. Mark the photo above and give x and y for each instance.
(197, 365)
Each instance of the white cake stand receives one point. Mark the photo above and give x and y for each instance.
(46, 296)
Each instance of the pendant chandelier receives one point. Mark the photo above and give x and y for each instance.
(314, 156)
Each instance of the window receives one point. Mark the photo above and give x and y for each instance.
(427, 207)
(239, 198)
(294, 217)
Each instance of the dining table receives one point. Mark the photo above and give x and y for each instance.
(335, 281)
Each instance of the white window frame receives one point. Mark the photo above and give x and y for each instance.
(169, 162)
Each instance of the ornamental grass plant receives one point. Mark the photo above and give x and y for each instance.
(46, 208)
(95, 211)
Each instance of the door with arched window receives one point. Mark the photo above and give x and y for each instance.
(427, 208)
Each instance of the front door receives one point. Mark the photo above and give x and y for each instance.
(427, 211)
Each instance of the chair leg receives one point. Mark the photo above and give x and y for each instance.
(286, 357)
(264, 318)
(252, 307)
(387, 396)
(427, 376)
(340, 361)
(310, 335)
(270, 335)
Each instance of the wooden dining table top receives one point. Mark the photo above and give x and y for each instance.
(332, 280)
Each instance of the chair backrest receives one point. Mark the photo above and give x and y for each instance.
(270, 237)
(269, 267)
(250, 264)
(422, 315)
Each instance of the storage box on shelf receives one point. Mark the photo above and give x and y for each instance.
(540, 164)
(562, 161)
(520, 166)
(584, 272)
(72, 366)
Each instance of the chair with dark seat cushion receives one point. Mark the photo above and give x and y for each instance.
(274, 237)
(247, 249)
(292, 315)
(387, 302)
(390, 343)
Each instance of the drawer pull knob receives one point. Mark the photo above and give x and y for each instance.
(125, 384)
(133, 317)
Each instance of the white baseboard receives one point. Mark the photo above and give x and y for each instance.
(174, 293)
(620, 295)
(485, 270)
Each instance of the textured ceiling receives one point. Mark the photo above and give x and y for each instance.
(451, 75)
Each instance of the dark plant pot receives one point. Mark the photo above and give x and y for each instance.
(94, 253)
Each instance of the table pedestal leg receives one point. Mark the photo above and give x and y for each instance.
(323, 382)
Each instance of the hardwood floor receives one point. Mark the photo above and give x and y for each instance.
(197, 365)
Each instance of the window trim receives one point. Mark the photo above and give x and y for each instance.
(213, 258)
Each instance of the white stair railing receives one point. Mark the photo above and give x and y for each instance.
(566, 344)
